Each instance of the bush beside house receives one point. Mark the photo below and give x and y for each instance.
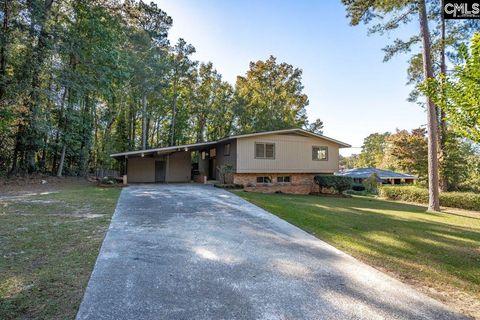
(462, 200)
(338, 183)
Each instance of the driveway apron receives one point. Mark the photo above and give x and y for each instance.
(190, 251)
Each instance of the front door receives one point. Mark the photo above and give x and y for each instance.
(212, 165)
(159, 171)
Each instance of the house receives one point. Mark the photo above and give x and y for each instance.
(385, 176)
(281, 160)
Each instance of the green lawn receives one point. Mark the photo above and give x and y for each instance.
(48, 246)
(438, 253)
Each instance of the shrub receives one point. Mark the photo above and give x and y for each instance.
(357, 193)
(462, 200)
(108, 180)
(404, 193)
(225, 170)
(228, 186)
(358, 187)
(371, 183)
(338, 183)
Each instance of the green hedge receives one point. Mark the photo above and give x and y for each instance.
(339, 183)
(462, 200)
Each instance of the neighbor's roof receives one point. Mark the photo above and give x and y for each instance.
(363, 173)
(196, 146)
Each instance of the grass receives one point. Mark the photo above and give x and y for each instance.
(48, 246)
(438, 253)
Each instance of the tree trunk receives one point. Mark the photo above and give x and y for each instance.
(134, 129)
(37, 59)
(43, 160)
(62, 160)
(441, 113)
(144, 122)
(3, 53)
(174, 115)
(201, 128)
(16, 150)
(433, 191)
(149, 134)
(60, 123)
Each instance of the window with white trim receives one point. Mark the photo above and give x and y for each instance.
(283, 179)
(264, 180)
(319, 153)
(264, 150)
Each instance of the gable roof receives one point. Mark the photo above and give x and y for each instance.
(363, 173)
(197, 146)
(286, 131)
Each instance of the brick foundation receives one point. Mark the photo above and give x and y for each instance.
(300, 183)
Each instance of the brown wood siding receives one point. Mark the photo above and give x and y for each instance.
(141, 170)
(227, 159)
(179, 167)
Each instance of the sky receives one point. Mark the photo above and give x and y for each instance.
(349, 87)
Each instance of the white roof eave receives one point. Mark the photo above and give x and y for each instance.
(205, 144)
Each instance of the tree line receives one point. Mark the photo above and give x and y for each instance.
(407, 151)
(435, 45)
(80, 80)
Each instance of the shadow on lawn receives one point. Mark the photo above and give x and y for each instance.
(398, 234)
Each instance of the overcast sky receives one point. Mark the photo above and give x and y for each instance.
(348, 85)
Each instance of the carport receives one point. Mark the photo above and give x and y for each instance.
(168, 164)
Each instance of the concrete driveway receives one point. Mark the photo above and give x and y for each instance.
(191, 251)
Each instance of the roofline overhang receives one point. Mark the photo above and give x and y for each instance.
(210, 143)
(164, 150)
(298, 130)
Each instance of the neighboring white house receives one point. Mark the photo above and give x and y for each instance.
(385, 176)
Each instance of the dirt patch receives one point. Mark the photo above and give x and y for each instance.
(37, 184)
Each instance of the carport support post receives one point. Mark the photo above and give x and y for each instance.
(167, 165)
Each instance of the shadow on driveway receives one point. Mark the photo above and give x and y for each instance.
(191, 251)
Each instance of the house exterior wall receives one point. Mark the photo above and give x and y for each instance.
(141, 170)
(223, 159)
(293, 158)
(179, 167)
(231, 158)
(293, 154)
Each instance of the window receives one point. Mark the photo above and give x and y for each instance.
(226, 150)
(204, 155)
(264, 180)
(320, 153)
(283, 179)
(264, 150)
